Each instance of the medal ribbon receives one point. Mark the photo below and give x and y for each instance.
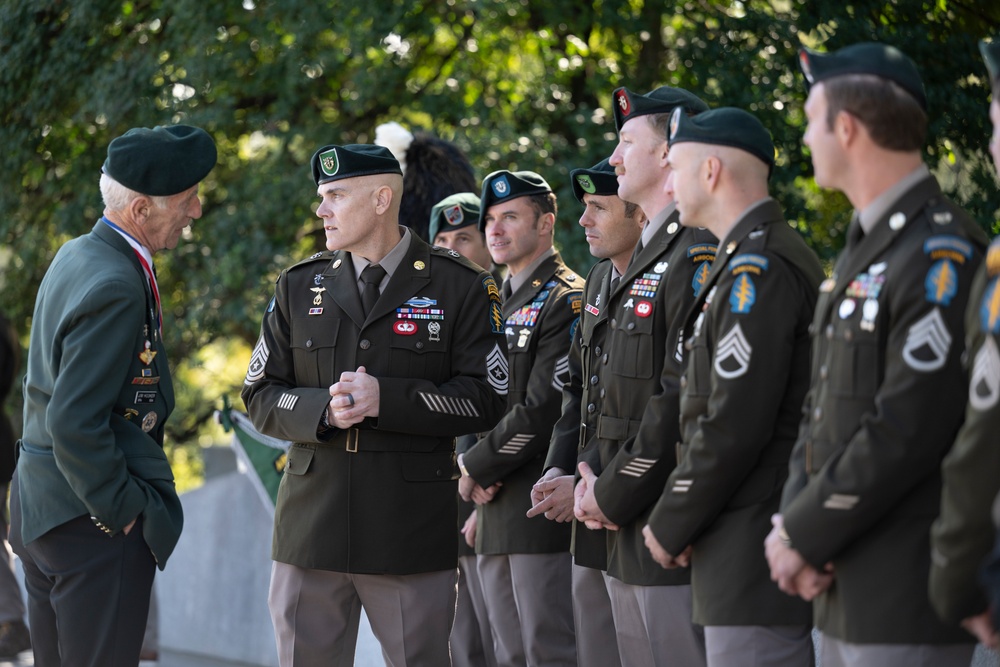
(156, 292)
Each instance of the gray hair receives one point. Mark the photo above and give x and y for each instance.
(117, 197)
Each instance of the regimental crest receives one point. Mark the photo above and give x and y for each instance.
(732, 357)
(500, 186)
(941, 284)
(329, 163)
(623, 102)
(586, 184)
(497, 373)
(927, 343)
(743, 295)
(984, 383)
(675, 121)
(454, 215)
(989, 309)
(258, 362)
(806, 67)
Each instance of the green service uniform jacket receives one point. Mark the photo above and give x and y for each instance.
(640, 424)
(964, 534)
(574, 437)
(93, 409)
(378, 498)
(746, 373)
(887, 398)
(540, 320)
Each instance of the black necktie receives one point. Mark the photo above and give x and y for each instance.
(614, 285)
(371, 277)
(635, 253)
(506, 291)
(855, 232)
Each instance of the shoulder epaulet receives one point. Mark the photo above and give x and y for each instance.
(326, 255)
(457, 257)
(947, 217)
(568, 277)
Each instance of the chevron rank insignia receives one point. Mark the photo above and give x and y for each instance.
(497, 373)
(560, 375)
(984, 384)
(927, 343)
(732, 357)
(258, 361)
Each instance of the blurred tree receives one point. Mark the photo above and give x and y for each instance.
(522, 84)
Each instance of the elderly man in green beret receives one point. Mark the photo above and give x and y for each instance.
(372, 358)
(524, 563)
(612, 228)
(93, 505)
(638, 427)
(964, 533)
(888, 390)
(746, 372)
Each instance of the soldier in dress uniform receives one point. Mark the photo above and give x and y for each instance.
(888, 390)
(454, 225)
(612, 228)
(524, 563)
(94, 510)
(746, 373)
(372, 358)
(964, 533)
(638, 426)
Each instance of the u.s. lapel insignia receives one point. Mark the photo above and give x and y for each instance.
(337, 263)
(418, 265)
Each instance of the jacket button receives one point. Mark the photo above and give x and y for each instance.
(309, 343)
(684, 381)
(591, 409)
(364, 344)
(630, 326)
(829, 331)
(597, 350)
(419, 345)
(602, 392)
(605, 358)
(817, 413)
(594, 380)
(614, 322)
(824, 372)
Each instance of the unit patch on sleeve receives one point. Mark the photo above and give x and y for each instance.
(743, 295)
(989, 309)
(702, 255)
(941, 284)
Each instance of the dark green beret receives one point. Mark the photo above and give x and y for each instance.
(725, 126)
(504, 185)
(453, 212)
(332, 163)
(628, 105)
(880, 60)
(162, 161)
(991, 56)
(598, 180)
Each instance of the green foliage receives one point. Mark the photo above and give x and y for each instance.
(520, 84)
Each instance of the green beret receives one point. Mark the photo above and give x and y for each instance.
(453, 212)
(991, 56)
(880, 60)
(162, 161)
(332, 163)
(598, 180)
(504, 185)
(725, 126)
(628, 105)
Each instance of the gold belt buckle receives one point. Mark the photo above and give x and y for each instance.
(352, 440)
